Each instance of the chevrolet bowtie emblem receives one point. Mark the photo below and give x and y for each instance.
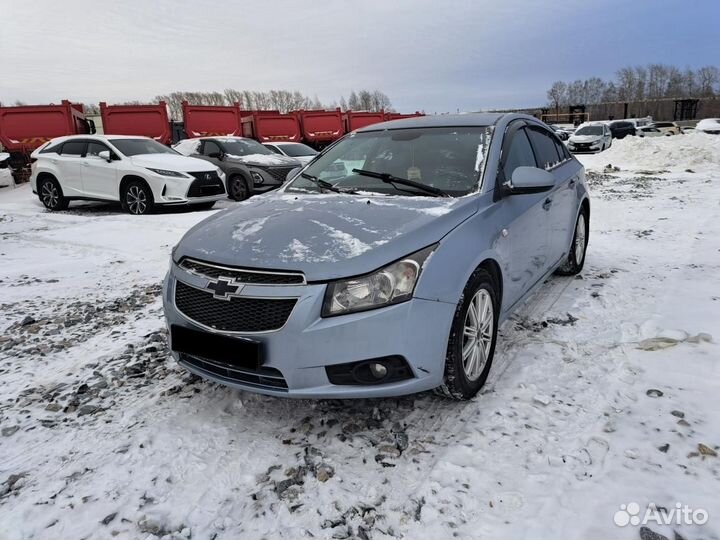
(223, 289)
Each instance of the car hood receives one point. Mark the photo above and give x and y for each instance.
(264, 160)
(325, 236)
(171, 162)
(585, 138)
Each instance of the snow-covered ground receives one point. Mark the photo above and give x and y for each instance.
(604, 391)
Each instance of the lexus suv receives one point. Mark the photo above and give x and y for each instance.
(385, 266)
(138, 172)
(249, 166)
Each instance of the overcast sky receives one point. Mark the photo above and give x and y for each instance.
(432, 55)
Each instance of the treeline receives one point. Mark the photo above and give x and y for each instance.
(640, 83)
(281, 100)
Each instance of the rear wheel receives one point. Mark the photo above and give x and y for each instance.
(578, 248)
(51, 195)
(238, 188)
(137, 198)
(472, 339)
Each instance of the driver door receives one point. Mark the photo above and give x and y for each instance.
(211, 151)
(99, 177)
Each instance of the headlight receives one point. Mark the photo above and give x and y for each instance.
(165, 172)
(392, 284)
(257, 177)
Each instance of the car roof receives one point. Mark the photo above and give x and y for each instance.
(216, 137)
(441, 120)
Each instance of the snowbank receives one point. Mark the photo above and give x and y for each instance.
(678, 152)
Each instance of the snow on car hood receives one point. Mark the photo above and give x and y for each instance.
(325, 236)
(264, 160)
(585, 138)
(171, 162)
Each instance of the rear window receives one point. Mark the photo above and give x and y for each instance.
(73, 148)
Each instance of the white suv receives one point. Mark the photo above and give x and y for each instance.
(138, 172)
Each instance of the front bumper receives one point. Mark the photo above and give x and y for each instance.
(416, 330)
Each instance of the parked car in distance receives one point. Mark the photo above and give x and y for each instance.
(619, 129)
(560, 132)
(590, 137)
(709, 125)
(138, 172)
(302, 152)
(648, 131)
(388, 275)
(6, 178)
(249, 166)
(667, 128)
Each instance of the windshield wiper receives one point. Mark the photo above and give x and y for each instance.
(323, 184)
(390, 179)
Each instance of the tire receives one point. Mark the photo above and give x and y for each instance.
(204, 206)
(238, 188)
(465, 374)
(578, 248)
(137, 198)
(51, 195)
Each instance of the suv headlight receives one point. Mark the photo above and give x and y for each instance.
(257, 177)
(165, 172)
(390, 285)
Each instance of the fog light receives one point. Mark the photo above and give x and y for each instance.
(378, 370)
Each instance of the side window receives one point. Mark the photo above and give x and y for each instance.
(274, 149)
(51, 149)
(544, 145)
(210, 147)
(561, 150)
(73, 148)
(94, 148)
(519, 154)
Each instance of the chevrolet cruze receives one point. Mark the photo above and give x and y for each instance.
(385, 266)
(138, 172)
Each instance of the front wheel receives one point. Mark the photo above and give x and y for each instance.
(578, 248)
(472, 339)
(238, 188)
(137, 198)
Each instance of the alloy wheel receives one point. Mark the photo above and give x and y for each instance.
(136, 200)
(238, 189)
(50, 195)
(580, 239)
(477, 334)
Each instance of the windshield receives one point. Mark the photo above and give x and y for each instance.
(136, 147)
(297, 150)
(590, 130)
(243, 147)
(449, 159)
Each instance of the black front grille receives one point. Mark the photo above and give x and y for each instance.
(262, 377)
(279, 173)
(241, 275)
(206, 184)
(235, 314)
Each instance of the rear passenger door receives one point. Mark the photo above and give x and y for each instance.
(559, 202)
(69, 167)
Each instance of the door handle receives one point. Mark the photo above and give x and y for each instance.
(573, 182)
(547, 204)
(85, 164)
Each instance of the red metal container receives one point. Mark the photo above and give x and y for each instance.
(321, 127)
(399, 116)
(359, 119)
(211, 120)
(271, 126)
(146, 120)
(24, 128)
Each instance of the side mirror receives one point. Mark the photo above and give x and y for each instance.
(105, 154)
(216, 155)
(529, 180)
(292, 173)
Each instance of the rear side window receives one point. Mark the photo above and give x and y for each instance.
(544, 144)
(274, 149)
(73, 148)
(561, 150)
(51, 149)
(519, 154)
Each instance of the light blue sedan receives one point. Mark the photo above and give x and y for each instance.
(385, 266)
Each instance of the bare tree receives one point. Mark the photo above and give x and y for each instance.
(557, 95)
